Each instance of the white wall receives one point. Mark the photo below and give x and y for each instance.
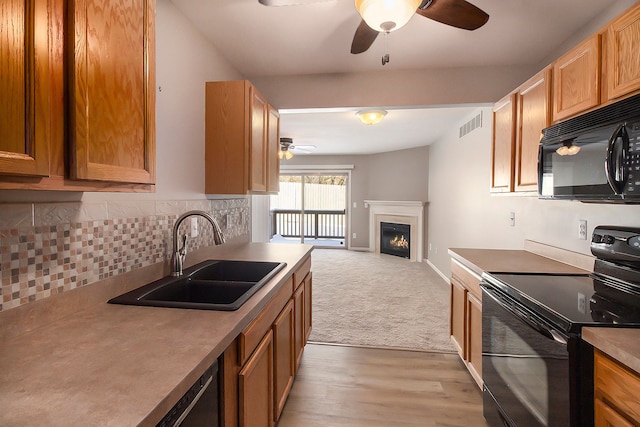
(463, 213)
(185, 60)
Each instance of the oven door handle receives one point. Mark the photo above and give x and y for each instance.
(541, 328)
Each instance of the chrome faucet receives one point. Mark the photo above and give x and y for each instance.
(177, 258)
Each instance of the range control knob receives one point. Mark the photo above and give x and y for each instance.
(609, 240)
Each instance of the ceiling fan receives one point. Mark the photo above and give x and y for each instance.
(456, 13)
(287, 149)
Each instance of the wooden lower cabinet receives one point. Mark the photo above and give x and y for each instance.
(465, 318)
(256, 386)
(457, 315)
(616, 390)
(474, 337)
(307, 306)
(259, 367)
(298, 316)
(606, 416)
(284, 363)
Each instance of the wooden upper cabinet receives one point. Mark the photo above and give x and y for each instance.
(502, 147)
(112, 90)
(237, 134)
(273, 146)
(25, 117)
(258, 145)
(534, 114)
(623, 59)
(576, 79)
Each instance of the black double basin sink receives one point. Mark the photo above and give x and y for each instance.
(209, 285)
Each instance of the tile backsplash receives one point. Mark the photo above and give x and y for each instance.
(49, 248)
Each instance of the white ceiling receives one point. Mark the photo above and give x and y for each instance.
(316, 39)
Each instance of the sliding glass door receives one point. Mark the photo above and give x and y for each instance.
(310, 209)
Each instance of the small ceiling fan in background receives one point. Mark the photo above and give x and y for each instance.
(384, 16)
(287, 149)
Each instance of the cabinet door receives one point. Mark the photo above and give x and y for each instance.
(534, 114)
(457, 317)
(25, 112)
(606, 416)
(257, 145)
(256, 386)
(273, 146)
(283, 342)
(474, 337)
(576, 79)
(623, 61)
(299, 321)
(308, 300)
(502, 148)
(112, 96)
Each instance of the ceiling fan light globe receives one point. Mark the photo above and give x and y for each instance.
(386, 15)
(288, 155)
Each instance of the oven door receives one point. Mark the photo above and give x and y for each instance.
(525, 365)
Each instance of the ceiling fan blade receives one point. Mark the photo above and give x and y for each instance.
(457, 13)
(363, 38)
(302, 149)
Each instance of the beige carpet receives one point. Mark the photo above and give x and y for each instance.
(360, 298)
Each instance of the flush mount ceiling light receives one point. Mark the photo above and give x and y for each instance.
(386, 15)
(371, 117)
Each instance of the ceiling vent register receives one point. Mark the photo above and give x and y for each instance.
(471, 125)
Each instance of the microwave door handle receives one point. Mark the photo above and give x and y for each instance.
(540, 157)
(611, 163)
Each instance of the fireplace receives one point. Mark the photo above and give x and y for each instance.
(395, 239)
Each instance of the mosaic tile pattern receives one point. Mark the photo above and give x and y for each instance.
(39, 261)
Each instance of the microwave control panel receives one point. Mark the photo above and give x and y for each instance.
(633, 159)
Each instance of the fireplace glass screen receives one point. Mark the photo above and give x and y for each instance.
(395, 239)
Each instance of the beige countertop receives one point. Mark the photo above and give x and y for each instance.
(510, 261)
(622, 344)
(117, 365)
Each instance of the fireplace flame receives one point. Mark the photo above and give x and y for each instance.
(399, 242)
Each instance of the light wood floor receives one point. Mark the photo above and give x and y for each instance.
(352, 386)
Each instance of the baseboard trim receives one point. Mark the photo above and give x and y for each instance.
(440, 273)
(359, 249)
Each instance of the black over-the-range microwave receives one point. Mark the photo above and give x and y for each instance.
(594, 157)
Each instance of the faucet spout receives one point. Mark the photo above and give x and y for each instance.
(178, 255)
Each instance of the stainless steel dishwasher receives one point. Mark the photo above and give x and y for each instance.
(200, 404)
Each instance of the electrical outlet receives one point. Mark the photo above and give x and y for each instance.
(353, 235)
(355, 204)
(582, 229)
(194, 227)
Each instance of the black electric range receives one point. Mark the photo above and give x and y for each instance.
(536, 369)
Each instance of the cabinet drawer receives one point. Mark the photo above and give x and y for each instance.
(466, 277)
(251, 336)
(301, 273)
(617, 385)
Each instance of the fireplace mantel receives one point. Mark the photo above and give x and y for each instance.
(402, 212)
